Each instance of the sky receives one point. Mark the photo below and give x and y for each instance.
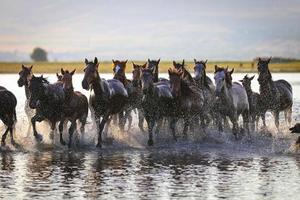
(137, 30)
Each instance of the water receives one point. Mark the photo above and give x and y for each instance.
(202, 167)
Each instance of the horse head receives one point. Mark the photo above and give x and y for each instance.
(175, 81)
(59, 77)
(199, 69)
(263, 65)
(147, 79)
(246, 81)
(37, 89)
(25, 75)
(90, 73)
(222, 78)
(153, 64)
(67, 79)
(136, 73)
(178, 65)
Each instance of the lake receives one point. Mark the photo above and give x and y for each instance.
(213, 166)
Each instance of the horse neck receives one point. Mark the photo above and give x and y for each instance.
(69, 92)
(122, 78)
(137, 83)
(225, 96)
(266, 85)
(97, 87)
(27, 92)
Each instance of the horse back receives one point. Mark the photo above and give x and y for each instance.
(116, 88)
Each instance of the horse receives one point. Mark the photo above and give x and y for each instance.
(137, 85)
(231, 100)
(48, 100)
(153, 65)
(8, 103)
(188, 98)
(296, 129)
(255, 103)
(277, 95)
(108, 97)
(24, 77)
(157, 103)
(75, 106)
(207, 86)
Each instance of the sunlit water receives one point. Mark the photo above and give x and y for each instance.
(210, 166)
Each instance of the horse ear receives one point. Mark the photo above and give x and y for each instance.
(57, 75)
(216, 68)
(259, 59)
(134, 65)
(31, 67)
(144, 65)
(195, 61)
(23, 67)
(269, 59)
(205, 61)
(86, 61)
(125, 61)
(183, 62)
(96, 60)
(148, 60)
(232, 71)
(251, 78)
(170, 71)
(158, 61)
(72, 72)
(174, 63)
(62, 71)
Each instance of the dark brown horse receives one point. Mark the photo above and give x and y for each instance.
(153, 65)
(75, 106)
(109, 96)
(296, 129)
(157, 103)
(8, 103)
(24, 77)
(137, 84)
(188, 98)
(277, 95)
(255, 103)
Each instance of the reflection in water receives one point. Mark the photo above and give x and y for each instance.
(147, 174)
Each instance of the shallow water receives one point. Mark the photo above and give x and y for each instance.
(210, 166)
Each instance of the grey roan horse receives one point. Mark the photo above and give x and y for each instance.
(8, 103)
(276, 95)
(231, 100)
(109, 96)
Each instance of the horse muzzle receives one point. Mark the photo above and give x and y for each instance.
(85, 85)
(20, 83)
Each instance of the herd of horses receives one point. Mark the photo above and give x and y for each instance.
(196, 100)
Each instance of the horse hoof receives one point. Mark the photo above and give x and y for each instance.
(99, 145)
(150, 142)
(38, 137)
(63, 142)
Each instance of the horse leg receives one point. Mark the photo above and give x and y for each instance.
(122, 121)
(29, 126)
(60, 128)
(288, 116)
(71, 131)
(141, 119)
(173, 122)
(4, 137)
(101, 127)
(185, 127)
(34, 119)
(276, 116)
(245, 115)
(235, 126)
(150, 121)
(129, 117)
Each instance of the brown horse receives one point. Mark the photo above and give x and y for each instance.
(277, 95)
(25, 76)
(153, 65)
(109, 97)
(8, 103)
(255, 103)
(75, 106)
(188, 97)
(137, 84)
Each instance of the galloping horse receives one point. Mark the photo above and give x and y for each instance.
(188, 98)
(137, 85)
(276, 95)
(255, 103)
(48, 100)
(8, 103)
(157, 103)
(24, 77)
(231, 100)
(75, 106)
(108, 97)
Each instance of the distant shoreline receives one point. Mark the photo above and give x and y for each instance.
(106, 66)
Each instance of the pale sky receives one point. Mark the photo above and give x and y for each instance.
(136, 29)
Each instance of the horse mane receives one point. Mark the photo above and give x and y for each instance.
(40, 79)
